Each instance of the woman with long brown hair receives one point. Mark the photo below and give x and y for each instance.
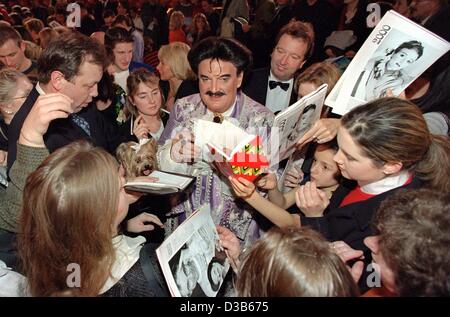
(384, 146)
(73, 206)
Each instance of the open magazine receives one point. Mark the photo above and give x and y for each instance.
(191, 258)
(168, 183)
(393, 56)
(295, 161)
(294, 121)
(3, 176)
(235, 152)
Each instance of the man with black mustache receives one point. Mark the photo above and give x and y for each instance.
(220, 64)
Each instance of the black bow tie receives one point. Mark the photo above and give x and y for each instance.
(273, 84)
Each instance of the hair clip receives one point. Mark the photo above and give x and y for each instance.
(137, 146)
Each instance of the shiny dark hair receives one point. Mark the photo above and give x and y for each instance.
(411, 45)
(221, 48)
(116, 35)
(394, 130)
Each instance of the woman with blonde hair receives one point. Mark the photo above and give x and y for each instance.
(316, 75)
(293, 263)
(46, 35)
(176, 32)
(200, 29)
(174, 67)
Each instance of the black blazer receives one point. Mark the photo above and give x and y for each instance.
(256, 85)
(16, 125)
(63, 131)
(352, 223)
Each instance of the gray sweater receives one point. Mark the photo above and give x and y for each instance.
(28, 159)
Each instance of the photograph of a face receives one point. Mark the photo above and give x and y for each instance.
(393, 66)
(200, 265)
(394, 55)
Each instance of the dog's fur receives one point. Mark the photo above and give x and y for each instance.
(137, 163)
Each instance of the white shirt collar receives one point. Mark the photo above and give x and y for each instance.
(120, 78)
(158, 133)
(278, 99)
(39, 89)
(210, 115)
(127, 254)
(272, 77)
(387, 183)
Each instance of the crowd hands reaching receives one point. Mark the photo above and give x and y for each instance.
(343, 242)
(51, 107)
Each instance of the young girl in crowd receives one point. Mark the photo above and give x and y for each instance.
(325, 175)
(144, 103)
(409, 157)
(308, 81)
(75, 225)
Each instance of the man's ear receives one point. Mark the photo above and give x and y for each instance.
(301, 65)
(390, 168)
(23, 46)
(57, 80)
(240, 77)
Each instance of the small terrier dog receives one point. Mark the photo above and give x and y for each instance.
(138, 159)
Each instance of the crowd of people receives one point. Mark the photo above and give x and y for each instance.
(362, 207)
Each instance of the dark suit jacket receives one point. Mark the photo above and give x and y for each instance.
(256, 85)
(16, 125)
(352, 223)
(63, 131)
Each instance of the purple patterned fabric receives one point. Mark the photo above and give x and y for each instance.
(210, 186)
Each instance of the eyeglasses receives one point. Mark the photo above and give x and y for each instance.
(22, 97)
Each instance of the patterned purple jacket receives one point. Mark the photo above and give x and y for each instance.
(211, 187)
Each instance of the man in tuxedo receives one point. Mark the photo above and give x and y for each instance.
(274, 86)
(72, 66)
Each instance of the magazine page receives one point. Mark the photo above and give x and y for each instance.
(249, 162)
(234, 151)
(295, 120)
(191, 258)
(225, 137)
(168, 183)
(295, 161)
(393, 56)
